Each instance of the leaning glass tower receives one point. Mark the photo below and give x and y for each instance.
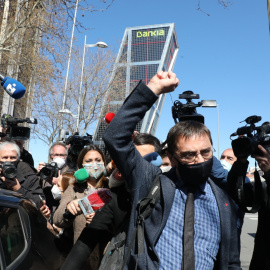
(144, 50)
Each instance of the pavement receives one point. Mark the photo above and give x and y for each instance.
(247, 239)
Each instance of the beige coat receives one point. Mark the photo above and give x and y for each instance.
(70, 194)
(73, 193)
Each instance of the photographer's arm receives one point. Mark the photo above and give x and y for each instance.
(264, 160)
(264, 164)
(238, 173)
(29, 183)
(12, 184)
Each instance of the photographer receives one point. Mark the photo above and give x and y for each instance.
(75, 144)
(18, 176)
(260, 258)
(11, 131)
(57, 150)
(50, 173)
(25, 156)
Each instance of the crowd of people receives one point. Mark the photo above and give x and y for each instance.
(195, 224)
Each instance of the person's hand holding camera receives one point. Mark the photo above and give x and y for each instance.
(40, 166)
(74, 208)
(12, 184)
(263, 160)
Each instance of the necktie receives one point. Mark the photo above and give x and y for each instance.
(188, 261)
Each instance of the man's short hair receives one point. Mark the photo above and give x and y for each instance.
(14, 145)
(146, 138)
(186, 129)
(55, 144)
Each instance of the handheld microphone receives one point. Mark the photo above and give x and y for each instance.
(14, 88)
(81, 175)
(154, 158)
(95, 200)
(109, 117)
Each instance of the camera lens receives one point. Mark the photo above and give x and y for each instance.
(45, 173)
(9, 171)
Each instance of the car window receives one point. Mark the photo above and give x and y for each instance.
(11, 234)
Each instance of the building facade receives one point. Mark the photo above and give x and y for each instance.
(144, 50)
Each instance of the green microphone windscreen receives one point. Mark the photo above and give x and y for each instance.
(81, 175)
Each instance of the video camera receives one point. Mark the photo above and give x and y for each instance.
(14, 131)
(9, 170)
(184, 112)
(77, 143)
(248, 145)
(49, 171)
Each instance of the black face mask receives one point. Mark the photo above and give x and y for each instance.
(195, 174)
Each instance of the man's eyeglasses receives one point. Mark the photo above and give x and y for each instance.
(190, 156)
(59, 155)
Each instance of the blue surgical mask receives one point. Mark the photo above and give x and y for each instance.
(226, 165)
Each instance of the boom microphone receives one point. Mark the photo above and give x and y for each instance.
(14, 88)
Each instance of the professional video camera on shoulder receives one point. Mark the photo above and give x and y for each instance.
(15, 132)
(77, 143)
(184, 112)
(49, 171)
(250, 137)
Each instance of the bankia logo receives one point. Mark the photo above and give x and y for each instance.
(151, 33)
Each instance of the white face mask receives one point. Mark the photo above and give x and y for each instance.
(226, 165)
(56, 193)
(165, 168)
(59, 161)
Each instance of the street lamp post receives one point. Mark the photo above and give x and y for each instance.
(67, 111)
(69, 58)
(99, 44)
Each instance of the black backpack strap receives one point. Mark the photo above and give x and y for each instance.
(144, 207)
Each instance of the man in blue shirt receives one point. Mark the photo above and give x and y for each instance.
(190, 148)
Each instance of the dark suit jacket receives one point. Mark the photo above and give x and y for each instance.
(140, 174)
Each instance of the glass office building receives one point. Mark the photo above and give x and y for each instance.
(144, 50)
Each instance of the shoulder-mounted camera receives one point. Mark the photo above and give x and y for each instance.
(78, 142)
(15, 132)
(184, 112)
(250, 137)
